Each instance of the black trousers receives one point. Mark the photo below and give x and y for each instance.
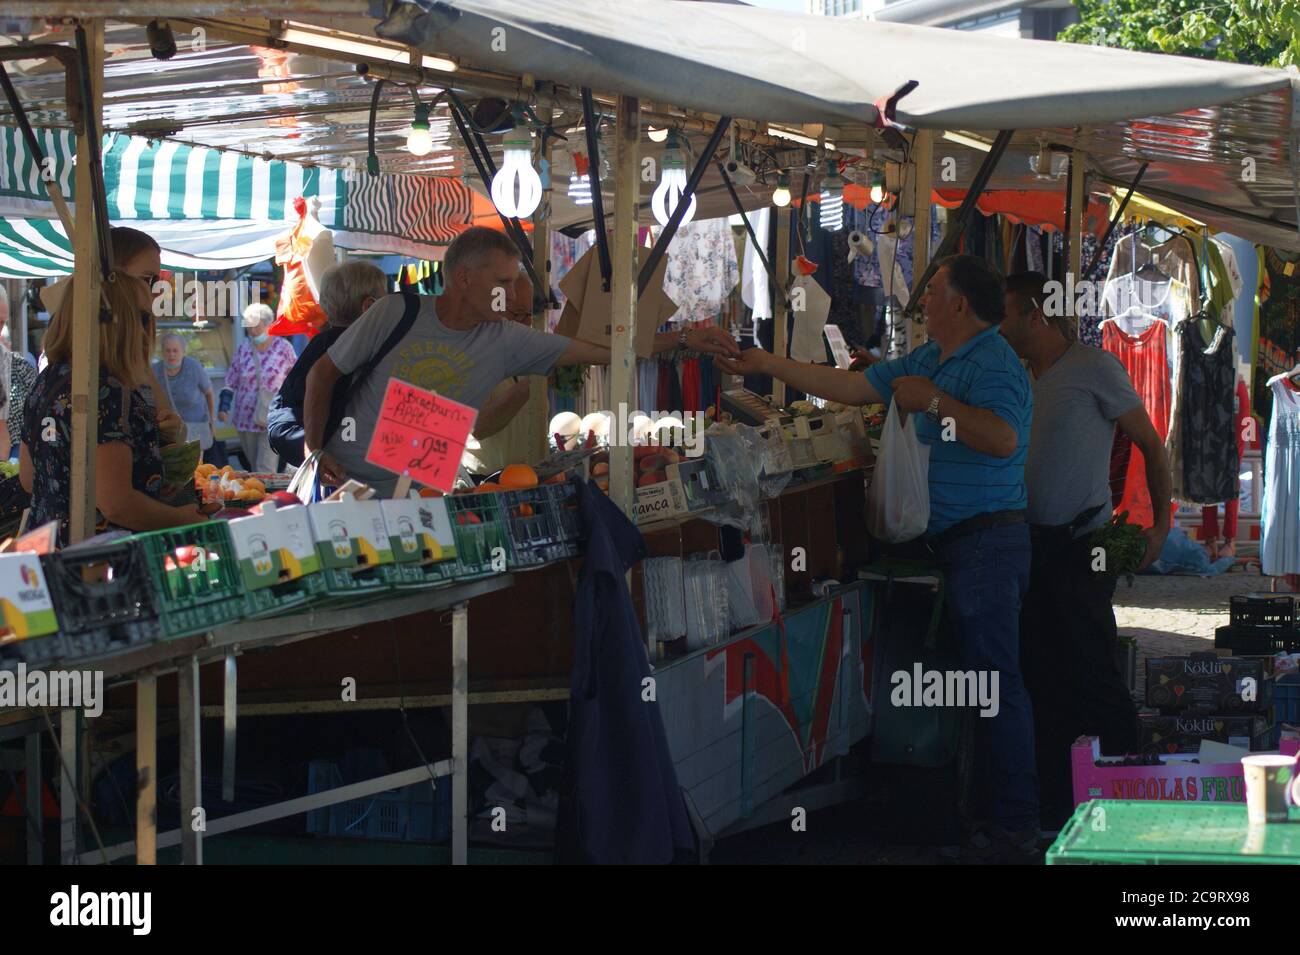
(1067, 655)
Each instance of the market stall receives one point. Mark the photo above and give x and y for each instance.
(749, 704)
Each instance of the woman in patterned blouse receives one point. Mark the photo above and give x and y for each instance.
(128, 460)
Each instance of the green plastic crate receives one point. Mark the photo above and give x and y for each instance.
(288, 597)
(476, 541)
(551, 530)
(1139, 832)
(203, 595)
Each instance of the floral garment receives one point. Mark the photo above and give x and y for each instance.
(277, 360)
(22, 378)
(125, 415)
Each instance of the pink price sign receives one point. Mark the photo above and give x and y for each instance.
(420, 435)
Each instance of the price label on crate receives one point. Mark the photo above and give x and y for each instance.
(420, 435)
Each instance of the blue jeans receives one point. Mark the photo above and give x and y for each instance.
(986, 575)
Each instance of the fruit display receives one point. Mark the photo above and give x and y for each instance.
(218, 485)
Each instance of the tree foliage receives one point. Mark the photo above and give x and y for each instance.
(1262, 32)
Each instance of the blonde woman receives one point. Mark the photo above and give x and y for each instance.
(128, 461)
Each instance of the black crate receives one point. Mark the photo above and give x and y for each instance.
(1249, 641)
(104, 599)
(1262, 611)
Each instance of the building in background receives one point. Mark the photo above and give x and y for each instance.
(1031, 19)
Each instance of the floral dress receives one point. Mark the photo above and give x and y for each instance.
(125, 415)
(242, 378)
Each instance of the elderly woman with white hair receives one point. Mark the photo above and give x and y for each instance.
(188, 389)
(259, 367)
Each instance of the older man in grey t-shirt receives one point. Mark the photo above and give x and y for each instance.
(461, 346)
(1067, 624)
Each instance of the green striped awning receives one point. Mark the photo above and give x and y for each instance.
(215, 209)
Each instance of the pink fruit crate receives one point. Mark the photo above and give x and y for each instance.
(1162, 778)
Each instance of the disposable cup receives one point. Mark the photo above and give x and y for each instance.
(1268, 780)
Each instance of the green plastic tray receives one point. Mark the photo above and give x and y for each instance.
(1137, 832)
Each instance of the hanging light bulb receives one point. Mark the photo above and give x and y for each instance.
(781, 194)
(656, 134)
(877, 188)
(516, 188)
(580, 181)
(672, 185)
(419, 141)
(832, 198)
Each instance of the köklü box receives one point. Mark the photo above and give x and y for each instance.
(1161, 734)
(1209, 684)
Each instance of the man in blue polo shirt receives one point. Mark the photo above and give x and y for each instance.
(974, 406)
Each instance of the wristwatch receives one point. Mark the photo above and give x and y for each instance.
(932, 412)
(681, 341)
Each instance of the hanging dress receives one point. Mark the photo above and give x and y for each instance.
(1144, 358)
(1279, 531)
(1207, 393)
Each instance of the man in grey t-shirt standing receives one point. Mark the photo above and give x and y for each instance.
(1067, 623)
(461, 346)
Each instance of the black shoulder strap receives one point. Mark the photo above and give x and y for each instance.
(396, 335)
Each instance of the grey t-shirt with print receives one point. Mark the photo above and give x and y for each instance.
(461, 365)
(1076, 403)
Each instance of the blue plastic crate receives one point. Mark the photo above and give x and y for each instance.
(417, 813)
(1286, 703)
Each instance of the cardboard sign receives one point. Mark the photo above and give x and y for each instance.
(839, 347)
(420, 435)
(588, 308)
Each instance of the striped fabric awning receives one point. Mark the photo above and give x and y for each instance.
(213, 209)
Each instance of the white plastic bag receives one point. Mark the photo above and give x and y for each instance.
(898, 502)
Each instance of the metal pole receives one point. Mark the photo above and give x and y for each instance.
(597, 199)
(538, 413)
(36, 835)
(191, 754)
(622, 364)
(67, 788)
(85, 305)
(229, 727)
(146, 769)
(460, 734)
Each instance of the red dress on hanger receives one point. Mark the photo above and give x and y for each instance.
(1144, 357)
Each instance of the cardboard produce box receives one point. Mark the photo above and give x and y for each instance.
(274, 546)
(1207, 683)
(25, 599)
(419, 529)
(350, 534)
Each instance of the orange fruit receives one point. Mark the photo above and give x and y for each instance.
(526, 510)
(516, 477)
(488, 487)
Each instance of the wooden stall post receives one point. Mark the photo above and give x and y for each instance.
(1078, 195)
(622, 366)
(538, 409)
(85, 309)
(923, 157)
(780, 316)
